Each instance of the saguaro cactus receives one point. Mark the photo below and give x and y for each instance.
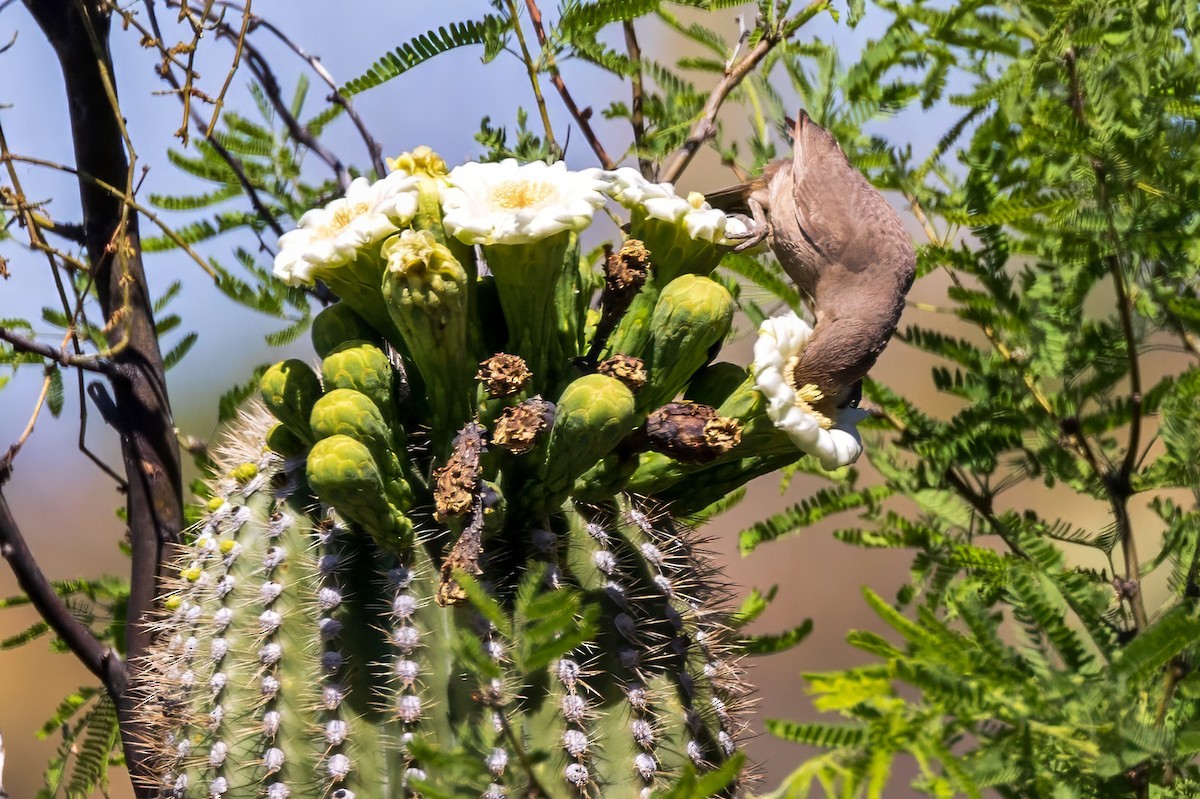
(451, 561)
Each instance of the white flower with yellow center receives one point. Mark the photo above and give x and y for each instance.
(511, 203)
(659, 201)
(834, 443)
(329, 237)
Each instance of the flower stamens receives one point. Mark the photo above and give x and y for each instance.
(806, 395)
(518, 194)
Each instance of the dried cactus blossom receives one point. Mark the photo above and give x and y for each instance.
(421, 577)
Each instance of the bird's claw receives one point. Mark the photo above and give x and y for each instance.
(755, 233)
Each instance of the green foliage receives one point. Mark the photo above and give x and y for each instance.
(489, 32)
(1031, 655)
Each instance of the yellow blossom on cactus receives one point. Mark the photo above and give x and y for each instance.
(834, 442)
(329, 237)
(420, 161)
(511, 203)
(214, 504)
(191, 573)
(226, 546)
(417, 251)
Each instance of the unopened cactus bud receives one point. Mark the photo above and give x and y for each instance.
(419, 161)
(362, 367)
(593, 414)
(692, 314)
(289, 389)
(351, 413)
(343, 473)
(425, 287)
(338, 324)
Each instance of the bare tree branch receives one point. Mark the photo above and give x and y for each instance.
(96, 658)
(79, 34)
(581, 117)
(736, 71)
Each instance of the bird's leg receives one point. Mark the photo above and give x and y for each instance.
(757, 227)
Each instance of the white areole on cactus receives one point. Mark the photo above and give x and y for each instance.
(834, 442)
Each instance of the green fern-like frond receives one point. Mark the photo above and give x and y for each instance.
(424, 47)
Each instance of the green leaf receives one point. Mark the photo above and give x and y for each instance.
(422, 48)
(1172, 633)
(177, 353)
(780, 642)
(827, 736)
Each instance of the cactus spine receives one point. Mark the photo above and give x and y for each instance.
(449, 591)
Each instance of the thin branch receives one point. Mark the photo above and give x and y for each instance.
(581, 117)
(125, 198)
(239, 45)
(531, 70)
(636, 113)
(263, 73)
(60, 356)
(374, 149)
(1118, 483)
(79, 35)
(705, 127)
(6, 460)
(98, 659)
(239, 172)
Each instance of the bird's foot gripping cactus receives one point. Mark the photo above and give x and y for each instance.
(452, 563)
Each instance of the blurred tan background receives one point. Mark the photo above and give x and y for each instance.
(67, 510)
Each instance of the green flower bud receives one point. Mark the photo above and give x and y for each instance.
(426, 292)
(364, 368)
(289, 389)
(283, 441)
(347, 412)
(593, 415)
(350, 413)
(692, 314)
(337, 325)
(342, 473)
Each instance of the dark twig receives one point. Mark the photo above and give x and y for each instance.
(61, 357)
(374, 149)
(581, 117)
(736, 71)
(79, 33)
(265, 76)
(531, 70)
(636, 112)
(235, 164)
(96, 658)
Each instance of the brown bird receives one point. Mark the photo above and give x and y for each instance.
(843, 245)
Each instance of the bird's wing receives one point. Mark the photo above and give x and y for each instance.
(846, 218)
